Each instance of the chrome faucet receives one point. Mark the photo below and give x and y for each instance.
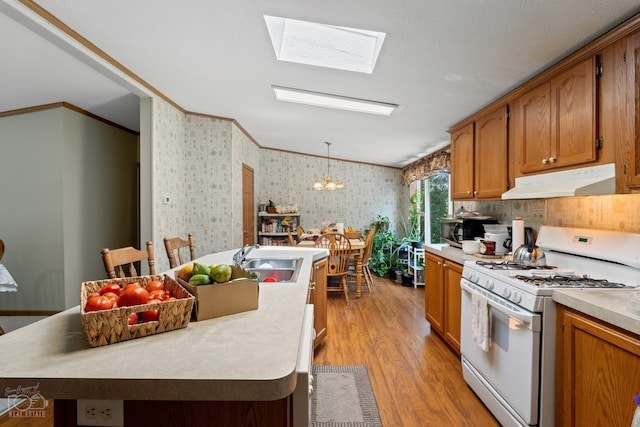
(240, 256)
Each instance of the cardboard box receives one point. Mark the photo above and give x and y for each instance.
(222, 299)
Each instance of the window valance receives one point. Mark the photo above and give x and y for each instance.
(426, 166)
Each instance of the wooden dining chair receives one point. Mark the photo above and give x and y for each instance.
(339, 254)
(119, 259)
(176, 246)
(292, 241)
(366, 256)
(299, 232)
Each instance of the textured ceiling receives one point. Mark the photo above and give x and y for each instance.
(441, 61)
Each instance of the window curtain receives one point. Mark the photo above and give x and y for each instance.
(426, 167)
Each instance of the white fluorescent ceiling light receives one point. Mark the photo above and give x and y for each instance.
(323, 45)
(320, 99)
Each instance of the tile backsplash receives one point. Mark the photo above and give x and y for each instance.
(619, 212)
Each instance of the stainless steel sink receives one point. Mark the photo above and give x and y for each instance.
(280, 270)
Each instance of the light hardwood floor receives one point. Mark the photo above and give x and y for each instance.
(416, 378)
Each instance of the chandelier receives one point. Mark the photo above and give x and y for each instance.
(327, 182)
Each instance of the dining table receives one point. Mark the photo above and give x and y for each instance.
(357, 252)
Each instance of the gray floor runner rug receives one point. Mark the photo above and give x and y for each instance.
(343, 397)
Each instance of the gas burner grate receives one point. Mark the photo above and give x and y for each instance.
(510, 265)
(567, 281)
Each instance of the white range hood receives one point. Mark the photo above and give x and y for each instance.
(587, 181)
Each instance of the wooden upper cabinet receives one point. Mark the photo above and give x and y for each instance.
(491, 155)
(534, 112)
(631, 152)
(559, 120)
(462, 163)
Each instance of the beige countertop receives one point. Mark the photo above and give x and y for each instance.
(244, 356)
(613, 306)
(452, 253)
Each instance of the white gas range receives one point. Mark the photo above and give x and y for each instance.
(514, 374)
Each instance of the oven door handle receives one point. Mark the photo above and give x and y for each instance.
(523, 317)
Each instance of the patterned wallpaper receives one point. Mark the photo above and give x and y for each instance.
(287, 178)
(169, 165)
(198, 165)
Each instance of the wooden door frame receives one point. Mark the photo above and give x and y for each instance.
(248, 206)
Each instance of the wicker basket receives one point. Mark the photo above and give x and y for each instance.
(353, 234)
(111, 326)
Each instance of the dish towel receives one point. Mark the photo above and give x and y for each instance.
(480, 321)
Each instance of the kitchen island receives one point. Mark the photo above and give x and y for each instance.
(247, 358)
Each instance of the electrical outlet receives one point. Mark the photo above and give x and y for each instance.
(97, 412)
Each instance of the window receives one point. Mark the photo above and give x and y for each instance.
(437, 200)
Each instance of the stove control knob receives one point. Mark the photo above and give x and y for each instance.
(516, 297)
(506, 292)
(489, 284)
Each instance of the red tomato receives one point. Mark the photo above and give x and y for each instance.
(150, 315)
(133, 295)
(130, 285)
(133, 318)
(113, 287)
(112, 296)
(99, 302)
(157, 294)
(155, 285)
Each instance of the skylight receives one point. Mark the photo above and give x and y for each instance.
(323, 45)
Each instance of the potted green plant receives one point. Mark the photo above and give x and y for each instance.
(385, 243)
(413, 226)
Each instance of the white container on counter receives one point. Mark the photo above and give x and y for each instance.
(471, 246)
(517, 233)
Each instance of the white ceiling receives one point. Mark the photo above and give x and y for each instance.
(215, 57)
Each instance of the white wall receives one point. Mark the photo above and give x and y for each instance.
(59, 171)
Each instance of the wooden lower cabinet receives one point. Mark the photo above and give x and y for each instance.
(434, 292)
(452, 302)
(190, 413)
(318, 297)
(442, 298)
(597, 372)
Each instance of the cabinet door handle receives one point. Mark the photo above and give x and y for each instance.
(475, 192)
(544, 161)
(552, 159)
(468, 191)
(312, 285)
